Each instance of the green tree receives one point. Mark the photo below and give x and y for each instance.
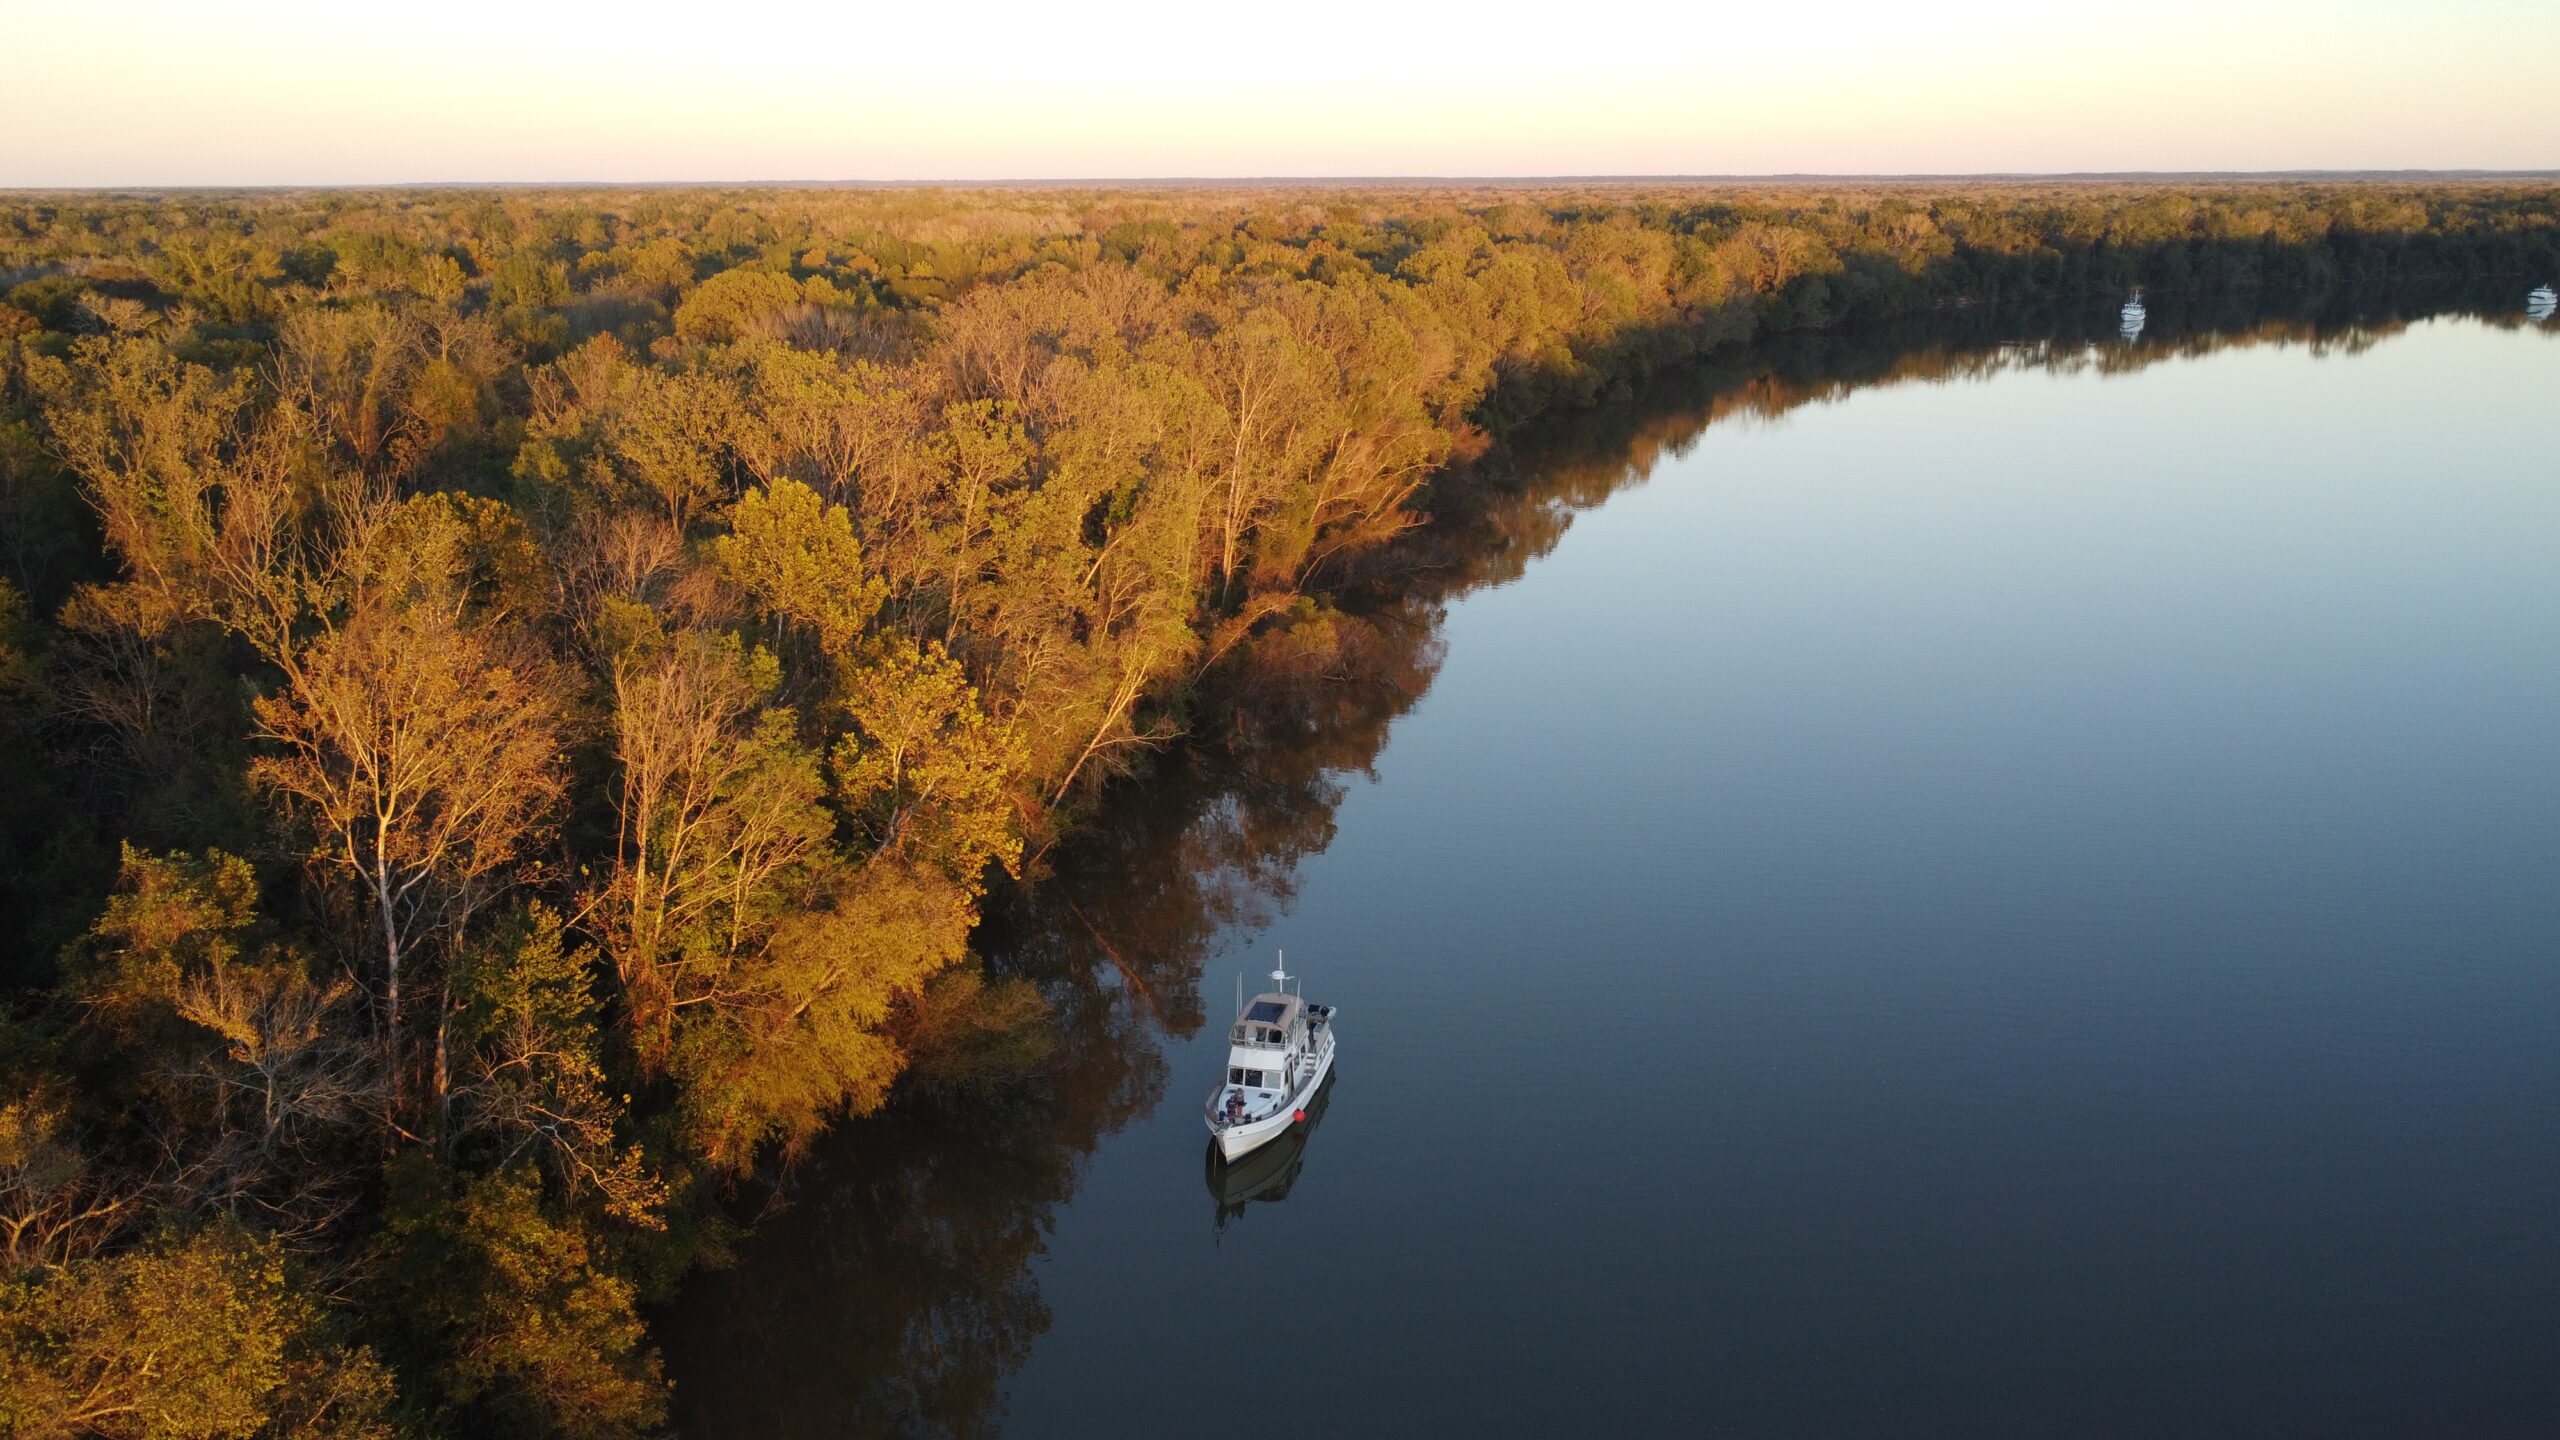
(510, 1312)
(194, 1338)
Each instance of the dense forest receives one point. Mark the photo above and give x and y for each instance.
(517, 703)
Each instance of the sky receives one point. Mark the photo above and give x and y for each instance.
(294, 92)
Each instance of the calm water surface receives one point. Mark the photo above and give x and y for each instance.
(2024, 903)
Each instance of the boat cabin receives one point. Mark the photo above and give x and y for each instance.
(1272, 1019)
(1270, 1048)
(1269, 1034)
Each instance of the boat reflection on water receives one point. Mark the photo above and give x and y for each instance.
(1267, 1172)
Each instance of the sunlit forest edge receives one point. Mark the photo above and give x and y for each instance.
(517, 703)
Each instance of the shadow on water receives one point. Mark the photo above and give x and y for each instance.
(1265, 1174)
(888, 1288)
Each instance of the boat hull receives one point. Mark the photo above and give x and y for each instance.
(1244, 1139)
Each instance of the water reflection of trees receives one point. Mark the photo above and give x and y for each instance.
(887, 1290)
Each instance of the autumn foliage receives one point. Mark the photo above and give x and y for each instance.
(513, 702)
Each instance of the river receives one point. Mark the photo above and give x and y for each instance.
(2003, 882)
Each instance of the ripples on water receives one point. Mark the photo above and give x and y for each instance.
(2022, 907)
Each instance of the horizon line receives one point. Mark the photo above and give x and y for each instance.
(1352, 181)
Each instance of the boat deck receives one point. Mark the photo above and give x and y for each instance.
(1258, 1104)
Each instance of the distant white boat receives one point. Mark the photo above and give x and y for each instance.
(2129, 321)
(2541, 304)
(1278, 1054)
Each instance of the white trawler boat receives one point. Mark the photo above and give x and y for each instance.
(2129, 320)
(1277, 1055)
(2542, 304)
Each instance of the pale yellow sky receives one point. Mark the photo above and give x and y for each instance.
(138, 92)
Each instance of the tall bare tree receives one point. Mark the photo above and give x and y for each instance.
(424, 752)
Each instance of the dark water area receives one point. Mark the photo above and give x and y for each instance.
(1992, 879)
